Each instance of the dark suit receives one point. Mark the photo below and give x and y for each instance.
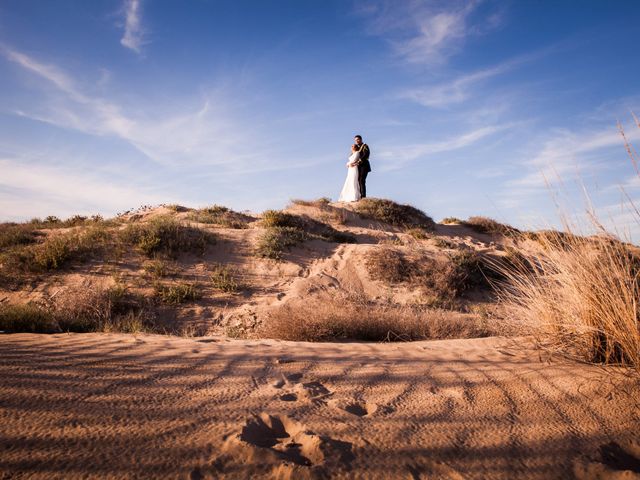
(364, 167)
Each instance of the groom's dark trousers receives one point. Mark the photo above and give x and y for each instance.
(362, 181)
(363, 169)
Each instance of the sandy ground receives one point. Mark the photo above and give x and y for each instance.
(146, 406)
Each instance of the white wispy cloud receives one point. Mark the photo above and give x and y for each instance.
(205, 132)
(570, 153)
(398, 156)
(425, 31)
(133, 37)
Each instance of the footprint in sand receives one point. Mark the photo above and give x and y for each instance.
(294, 388)
(291, 441)
(358, 408)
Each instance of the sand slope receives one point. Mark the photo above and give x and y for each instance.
(114, 406)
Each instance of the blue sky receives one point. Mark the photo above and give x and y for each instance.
(467, 106)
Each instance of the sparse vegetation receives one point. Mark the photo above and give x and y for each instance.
(419, 233)
(387, 211)
(219, 215)
(12, 234)
(443, 242)
(354, 318)
(445, 277)
(158, 268)
(55, 251)
(285, 230)
(80, 310)
(177, 293)
(224, 278)
(319, 203)
(27, 318)
(490, 226)
(276, 240)
(451, 221)
(167, 236)
(174, 207)
(389, 265)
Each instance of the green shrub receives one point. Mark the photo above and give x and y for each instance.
(219, 215)
(177, 293)
(224, 278)
(387, 211)
(55, 251)
(275, 240)
(167, 236)
(490, 226)
(277, 218)
(158, 268)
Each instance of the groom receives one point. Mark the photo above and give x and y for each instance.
(364, 167)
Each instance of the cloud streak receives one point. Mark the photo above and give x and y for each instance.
(398, 157)
(425, 32)
(133, 37)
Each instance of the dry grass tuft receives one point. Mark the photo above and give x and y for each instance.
(389, 265)
(580, 292)
(451, 221)
(395, 214)
(446, 278)
(81, 310)
(354, 318)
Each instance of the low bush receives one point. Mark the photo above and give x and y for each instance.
(387, 211)
(12, 234)
(446, 277)
(276, 240)
(319, 202)
(55, 251)
(451, 220)
(219, 215)
(419, 233)
(81, 310)
(490, 226)
(389, 266)
(353, 318)
(167, 236)
(27, 318)
(158, 268)
(177, 293)
(224, 278)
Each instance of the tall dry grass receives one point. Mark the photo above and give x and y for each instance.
(581, 293)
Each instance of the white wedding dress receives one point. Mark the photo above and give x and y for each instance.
(351, 189)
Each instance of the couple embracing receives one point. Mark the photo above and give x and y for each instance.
(358, 168)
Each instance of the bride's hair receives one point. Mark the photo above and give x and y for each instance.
(354, 148)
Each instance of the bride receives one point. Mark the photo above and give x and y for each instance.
(351, 189)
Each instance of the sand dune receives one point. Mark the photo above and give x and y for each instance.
(147, 406)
